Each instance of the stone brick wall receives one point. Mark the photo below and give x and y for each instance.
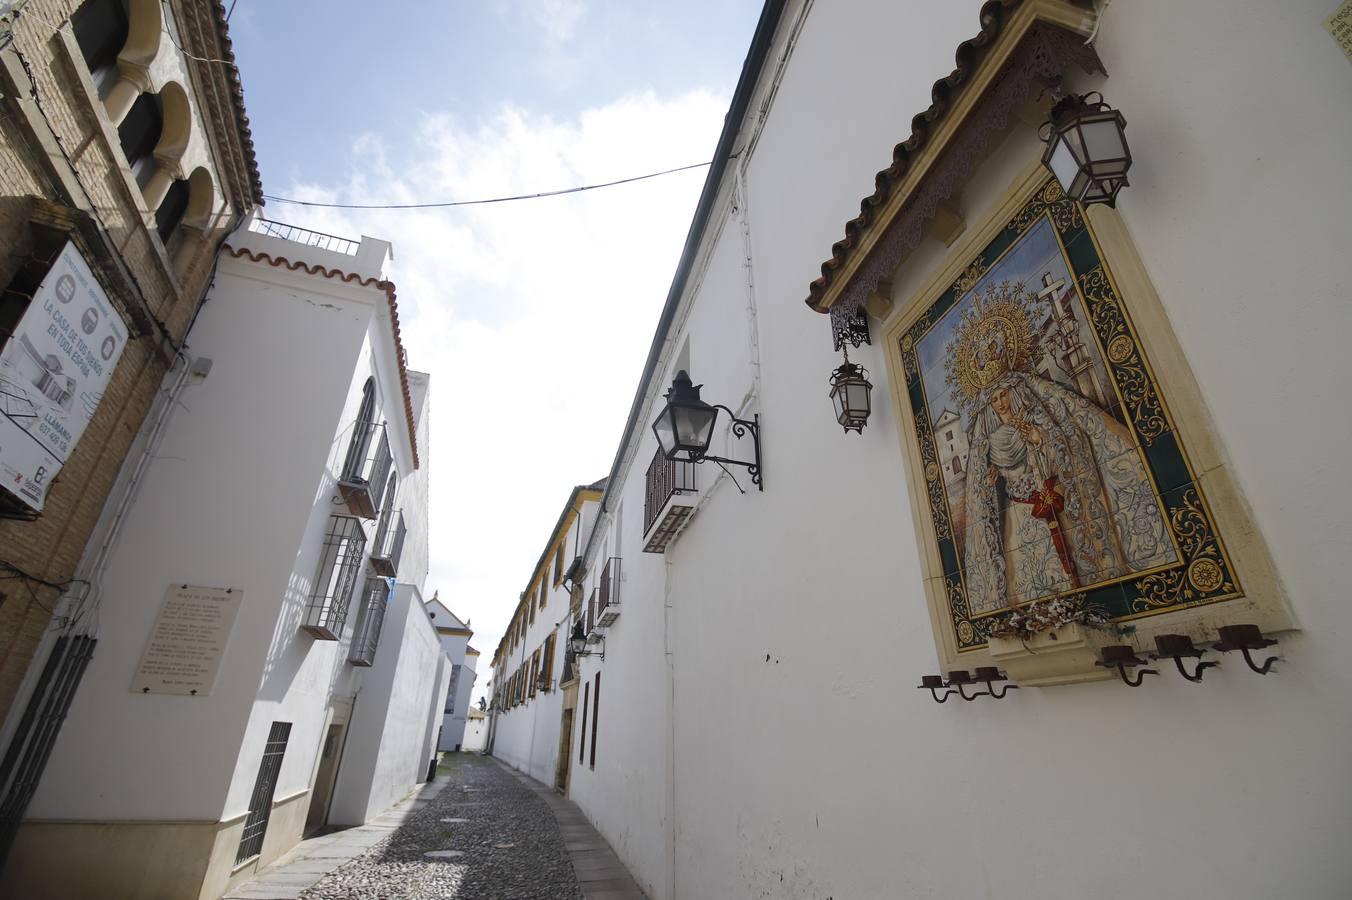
(57, 149)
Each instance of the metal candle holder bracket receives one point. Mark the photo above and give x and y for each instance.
(961, 679)
(1122, 657)
(1245, 638)
(1177, 647)
(989, 675)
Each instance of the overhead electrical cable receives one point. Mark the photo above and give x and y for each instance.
(448, 203)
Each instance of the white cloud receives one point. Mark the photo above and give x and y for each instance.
(533, 317)
(558, 18)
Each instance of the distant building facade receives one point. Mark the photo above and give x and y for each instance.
(534, 687)
(454, 635)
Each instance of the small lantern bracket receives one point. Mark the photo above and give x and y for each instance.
(740, 429)
(849, 327)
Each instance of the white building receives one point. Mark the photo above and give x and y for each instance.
(1215, 295)
(535, 687)
(264, 666)
(454, 636)
(476, 731)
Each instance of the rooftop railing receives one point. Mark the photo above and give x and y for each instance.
(317, 239)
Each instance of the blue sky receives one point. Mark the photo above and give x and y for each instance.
(317, 74)
(549, 303)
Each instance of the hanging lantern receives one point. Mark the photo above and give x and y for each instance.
(850, 392)
(1087, 149)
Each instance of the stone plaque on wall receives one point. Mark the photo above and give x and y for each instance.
(185, 646)
(1339, 24)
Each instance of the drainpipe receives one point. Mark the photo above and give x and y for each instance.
(667, 613)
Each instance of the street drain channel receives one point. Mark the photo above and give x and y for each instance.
(456, 821)
(443, 854)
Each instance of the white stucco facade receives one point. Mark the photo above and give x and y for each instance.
(777, 615)
(476, 732)
(241, 495)
(530, 688)
(454, 634)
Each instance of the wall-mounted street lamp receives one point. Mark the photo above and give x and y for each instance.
(850, 392)
(685, 427)
(577, 642)
(1087, 148)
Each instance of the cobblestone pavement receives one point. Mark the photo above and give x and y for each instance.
(502, 838)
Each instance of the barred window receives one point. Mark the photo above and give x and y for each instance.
(339, 563)
(265, 786)
(375, 597)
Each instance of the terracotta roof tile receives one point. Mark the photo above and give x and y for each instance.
(237, 94)
(943, 94)
(352, 277)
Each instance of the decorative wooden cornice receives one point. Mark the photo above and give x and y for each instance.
(1023, 46)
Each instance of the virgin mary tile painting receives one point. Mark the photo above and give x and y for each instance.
(1045, 477)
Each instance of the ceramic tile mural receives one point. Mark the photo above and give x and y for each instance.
(1050, 458)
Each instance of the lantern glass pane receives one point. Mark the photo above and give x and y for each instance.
(1103, 140)
(1063, 165)
(859, 399)
(666, 438)
(694, 426)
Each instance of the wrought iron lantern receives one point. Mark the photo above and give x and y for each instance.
(685, 426)
(577, 642)
(850, 392)
(1087, 148)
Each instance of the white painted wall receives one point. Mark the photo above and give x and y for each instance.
(221, 506)
(1237, 787)
(389, 743)
(476, 735)
(239, 496)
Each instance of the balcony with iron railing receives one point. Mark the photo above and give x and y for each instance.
(608, 593)
(669, 497)
(366, 468)
(375, 597)
(388, 545)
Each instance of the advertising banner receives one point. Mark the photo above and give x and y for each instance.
(53, 371)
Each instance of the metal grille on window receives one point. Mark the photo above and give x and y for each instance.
(32, 743)
(375, 597)
(260, 803)
(344, 545)
(389, 542)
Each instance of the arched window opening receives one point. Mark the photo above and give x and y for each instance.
(101, 28)
(139, 133)
(172, 208)
(201, 198)
(361, 431)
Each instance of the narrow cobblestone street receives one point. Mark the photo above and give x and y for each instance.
(486, 834)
